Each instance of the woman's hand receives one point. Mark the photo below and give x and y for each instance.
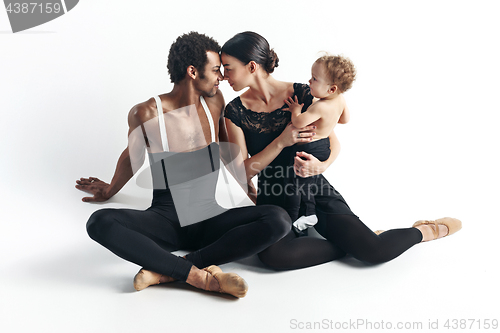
(306, 165)
(94, 186)
(291, 135)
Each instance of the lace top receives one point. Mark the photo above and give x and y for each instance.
(261, 128)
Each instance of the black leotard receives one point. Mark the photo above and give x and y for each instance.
(343, 230)
(260, 129)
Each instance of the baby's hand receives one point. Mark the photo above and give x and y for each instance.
(293, 105)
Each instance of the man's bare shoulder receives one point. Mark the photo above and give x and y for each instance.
(142, 112)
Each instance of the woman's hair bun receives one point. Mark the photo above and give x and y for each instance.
(250, 46)
(272, 61)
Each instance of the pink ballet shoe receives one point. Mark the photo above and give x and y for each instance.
(145, 278)
(452, 224)
(229, 283)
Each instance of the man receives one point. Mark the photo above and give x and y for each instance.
(147, 237)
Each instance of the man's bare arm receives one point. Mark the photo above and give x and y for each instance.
(102, 191)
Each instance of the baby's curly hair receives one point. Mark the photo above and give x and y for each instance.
(189, 49)
(340, 70)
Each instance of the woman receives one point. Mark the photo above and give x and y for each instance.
(258, 123)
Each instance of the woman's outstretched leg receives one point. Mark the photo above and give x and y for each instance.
(294, 252)
(355, 238)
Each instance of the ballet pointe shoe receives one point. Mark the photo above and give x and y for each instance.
(229, 283)
(452, 224)
(145, 278)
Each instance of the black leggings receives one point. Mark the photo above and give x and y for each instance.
(146, 238)
(345, 234)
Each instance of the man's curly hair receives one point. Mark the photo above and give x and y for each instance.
(189, 49)
(340, 70)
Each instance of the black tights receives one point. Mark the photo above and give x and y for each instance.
(146, 238)
(345, 234)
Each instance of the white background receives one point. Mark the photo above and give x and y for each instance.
(422, 143)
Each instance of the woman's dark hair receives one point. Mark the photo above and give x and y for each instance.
(189, 49)
(250, 46)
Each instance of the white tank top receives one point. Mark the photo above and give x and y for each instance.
(190, 176)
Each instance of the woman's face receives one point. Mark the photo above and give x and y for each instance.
(235, 72)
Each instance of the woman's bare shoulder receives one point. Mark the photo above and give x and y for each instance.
(288, 86)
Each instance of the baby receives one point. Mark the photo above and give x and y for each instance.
(331, 76)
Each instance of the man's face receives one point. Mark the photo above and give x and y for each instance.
(208, 82)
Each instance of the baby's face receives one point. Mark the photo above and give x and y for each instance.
(319, 82)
